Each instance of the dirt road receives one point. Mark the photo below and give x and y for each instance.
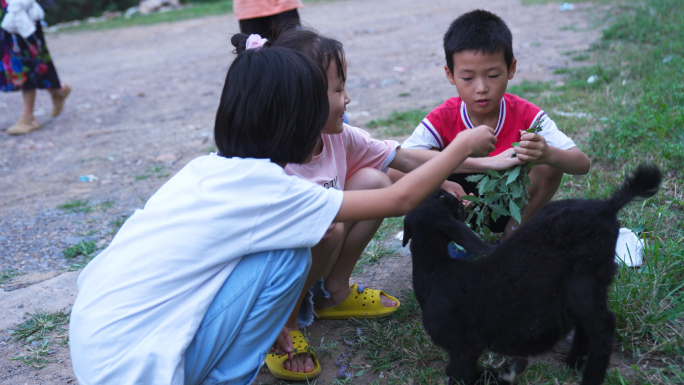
(143, 106)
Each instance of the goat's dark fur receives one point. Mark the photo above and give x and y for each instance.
(549, 277)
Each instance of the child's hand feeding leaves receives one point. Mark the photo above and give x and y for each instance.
(533, 148)
(503, 193)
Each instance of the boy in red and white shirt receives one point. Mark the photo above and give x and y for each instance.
(479, 54)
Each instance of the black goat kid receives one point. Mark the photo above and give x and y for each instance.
(549, 277)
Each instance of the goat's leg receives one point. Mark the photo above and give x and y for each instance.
(600, 347)
(579, 348)
(462, 368)
(509, 371)
(590, 309)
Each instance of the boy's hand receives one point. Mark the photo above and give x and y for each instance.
(283, 344)
(532, 148)
(480, 140)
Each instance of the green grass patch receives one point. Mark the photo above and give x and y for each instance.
(7, 275)
(583, 57)
(117, 223)
(76, 206)
(85, 250)
(84, 206)
(188, 12)
(81, 248)
(38, 334)
(399, 123)
(380, 246)
(397, 342)
(157, 171)
(373, 253)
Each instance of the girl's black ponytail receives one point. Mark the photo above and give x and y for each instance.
(239, 41)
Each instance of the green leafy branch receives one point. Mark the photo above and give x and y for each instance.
(500, 193)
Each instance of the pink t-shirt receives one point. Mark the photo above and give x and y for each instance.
(343, 155)
(250, 9)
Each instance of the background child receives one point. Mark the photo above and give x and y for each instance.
(196, 286)
(480, 62)
(26, 63)
(262, 17)
(346, 158)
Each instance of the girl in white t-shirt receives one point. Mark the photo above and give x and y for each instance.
(197, 285)
(345, 158)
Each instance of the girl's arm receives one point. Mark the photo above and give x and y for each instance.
(408, 159)
(408, 192)
(500, 162)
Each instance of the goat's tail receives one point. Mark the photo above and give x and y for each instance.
(643, 182)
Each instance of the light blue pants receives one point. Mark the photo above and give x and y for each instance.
(246, 316)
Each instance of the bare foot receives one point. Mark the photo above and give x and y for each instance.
(301, 363)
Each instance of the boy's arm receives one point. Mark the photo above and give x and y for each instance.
(403, 196)
(534, 149)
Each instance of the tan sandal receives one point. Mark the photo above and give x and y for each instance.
(58, 99)
(23, 126)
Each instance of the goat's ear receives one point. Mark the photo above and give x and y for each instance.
(407, 235)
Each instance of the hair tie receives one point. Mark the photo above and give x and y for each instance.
(255, 41)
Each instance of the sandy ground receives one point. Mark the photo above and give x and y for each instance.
(143, 106)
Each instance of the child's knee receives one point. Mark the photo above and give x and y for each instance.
(545, 178)
(367, 179)
(335, 232)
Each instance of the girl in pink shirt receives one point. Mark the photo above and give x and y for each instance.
(345, 158)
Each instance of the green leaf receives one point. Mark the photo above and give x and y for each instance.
(493, 174)
(482, 183)
(515, 210)
(515, 144)
(503, 188)
(480, 217)
(475, 178)
(472, 198)
(493, 198)
(515, 190)
(500, 209)
(513, 174)
(490, 185)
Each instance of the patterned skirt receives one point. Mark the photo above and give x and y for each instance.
(25, 63)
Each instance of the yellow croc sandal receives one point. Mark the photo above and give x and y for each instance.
(275, 361)
(362, 302)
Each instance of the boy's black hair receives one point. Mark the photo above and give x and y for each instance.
(479, 31)
(323, 50)
(274, 105)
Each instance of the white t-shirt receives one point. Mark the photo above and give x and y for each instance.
(142, 299)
